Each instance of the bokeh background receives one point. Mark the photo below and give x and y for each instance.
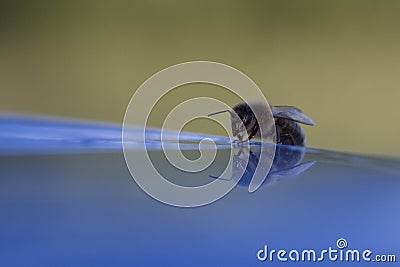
(339, 61)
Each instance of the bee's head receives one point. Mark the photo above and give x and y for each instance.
(252, 120)
(242, 120)
(247, 120)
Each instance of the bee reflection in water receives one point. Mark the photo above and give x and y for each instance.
(287, 162)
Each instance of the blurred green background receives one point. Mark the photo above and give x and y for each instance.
(339, 61)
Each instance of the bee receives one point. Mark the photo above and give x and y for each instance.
(287, 119)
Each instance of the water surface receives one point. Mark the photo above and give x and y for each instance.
(79, 208)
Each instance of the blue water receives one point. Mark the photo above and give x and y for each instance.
(67, 199)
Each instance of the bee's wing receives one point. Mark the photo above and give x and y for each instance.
(291, 113)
